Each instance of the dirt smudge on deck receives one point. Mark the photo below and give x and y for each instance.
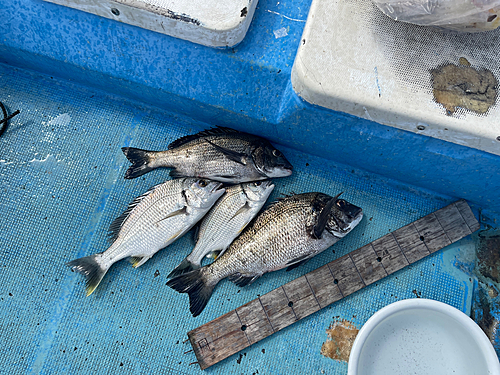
(464, 86)
(341, 335)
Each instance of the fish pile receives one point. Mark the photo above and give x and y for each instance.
(221, 181)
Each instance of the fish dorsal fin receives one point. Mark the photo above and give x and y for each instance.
(320, 225)
(116, 225)
(219, 130)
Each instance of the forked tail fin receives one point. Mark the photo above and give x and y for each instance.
(195, 284)
(90, 269)
(140, 159)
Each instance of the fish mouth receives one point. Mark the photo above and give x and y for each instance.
(279, 172)
(267, 184)
(218, 187)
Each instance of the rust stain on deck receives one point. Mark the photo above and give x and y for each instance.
(341, 335)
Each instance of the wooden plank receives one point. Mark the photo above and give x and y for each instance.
(301, 298)
(467, 215)
(275, 305)
(388, 249)
(410, 243)
(230, 333)
(368, 264)
(218, 339)
(321, 282)
(346, 276)
(432, 233)
(453, 223)
(253, 318)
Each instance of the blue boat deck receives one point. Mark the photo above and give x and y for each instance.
(61, 180)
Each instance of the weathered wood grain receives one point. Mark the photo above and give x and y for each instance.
(388, 249)
(410, 242)
(368, 264)
(467, 215)
(323, 287)
(453, 223)
(432, 233)
(240, 328)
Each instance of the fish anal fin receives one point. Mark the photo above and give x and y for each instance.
(174, 173)
(243, 280)
(138, 261)
(214, 254)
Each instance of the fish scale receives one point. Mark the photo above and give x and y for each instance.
(225, 221)
(152, 221)
(286, 234)
(220, 154)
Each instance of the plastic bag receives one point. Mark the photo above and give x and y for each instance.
(458, 15)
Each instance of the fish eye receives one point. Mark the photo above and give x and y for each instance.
(202, 183)
(341, 203)
(276, 153)
(258, 183)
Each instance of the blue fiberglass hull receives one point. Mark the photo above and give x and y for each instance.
(86, 87)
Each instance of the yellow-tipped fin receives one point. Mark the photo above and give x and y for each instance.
(91, 270)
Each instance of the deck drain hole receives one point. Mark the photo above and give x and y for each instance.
(115, 11)
(335, 281)
(422, 238)
(379, 259)
(290, 304)
(243, 327)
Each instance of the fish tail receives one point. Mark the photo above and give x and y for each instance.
(141, 161)
(184, 267)
(91, 270)
(196, 285)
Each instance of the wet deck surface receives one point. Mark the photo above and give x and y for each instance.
(61, 185)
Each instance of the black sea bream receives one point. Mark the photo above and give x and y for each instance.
(287, 234)
(220, 154)
(225, 221)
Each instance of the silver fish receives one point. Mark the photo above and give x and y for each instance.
(152, 221)
(287, 234)
(225, 221)
(220, 154)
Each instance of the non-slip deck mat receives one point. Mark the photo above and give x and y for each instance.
(61, 185)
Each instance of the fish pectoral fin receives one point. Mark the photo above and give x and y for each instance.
(243, 280)
(230, 154)
(242, 209)
(138, 261)
(183, 210)
(294, 263)
(320, 225)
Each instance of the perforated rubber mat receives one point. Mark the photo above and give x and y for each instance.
(61, 185)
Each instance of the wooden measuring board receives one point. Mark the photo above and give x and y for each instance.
(240, 328)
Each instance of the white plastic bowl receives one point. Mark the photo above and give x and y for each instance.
(422, 337)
